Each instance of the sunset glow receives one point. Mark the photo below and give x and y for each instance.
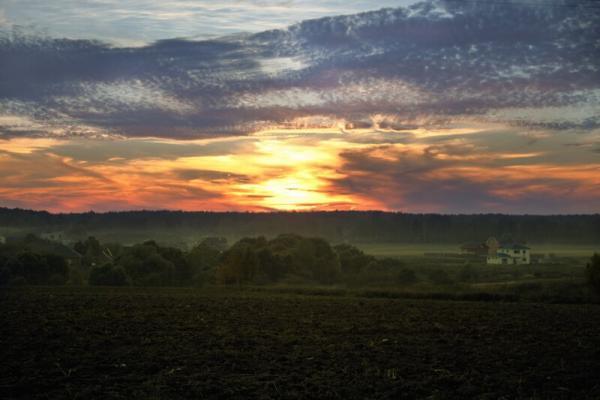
(431, 106)
(283, 169)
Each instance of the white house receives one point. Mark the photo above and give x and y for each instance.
(510, 254)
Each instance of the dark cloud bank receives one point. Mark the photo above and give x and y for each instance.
(514, 61)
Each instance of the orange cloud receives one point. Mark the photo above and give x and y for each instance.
(461, 170)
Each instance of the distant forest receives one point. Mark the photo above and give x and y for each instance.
(335, 226)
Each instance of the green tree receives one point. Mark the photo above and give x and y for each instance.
(182, 271)
(57, 269)
(352, 259)
(216, 243)
(203, 258)
(35, 268)
(240, 263)
(145, 266)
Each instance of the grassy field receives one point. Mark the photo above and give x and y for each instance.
(402, 250)
(216, 344)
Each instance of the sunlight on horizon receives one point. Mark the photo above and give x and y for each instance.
(281, 168)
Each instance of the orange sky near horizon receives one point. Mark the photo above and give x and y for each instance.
(448, 170)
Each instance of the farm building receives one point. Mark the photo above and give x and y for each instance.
(510, 254)
(474, 248)
(489, 247)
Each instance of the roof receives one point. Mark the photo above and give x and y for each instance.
(473, 245)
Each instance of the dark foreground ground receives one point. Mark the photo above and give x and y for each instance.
(147, 344)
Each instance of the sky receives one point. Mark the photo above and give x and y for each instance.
(139, 22)
(436, 106)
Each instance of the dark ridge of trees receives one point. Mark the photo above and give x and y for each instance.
(336, 226)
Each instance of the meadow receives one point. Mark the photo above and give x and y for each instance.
(220, 343)
(419, 249)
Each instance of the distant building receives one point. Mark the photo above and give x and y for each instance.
(489, 247)
(492, 245)
(510, 254)
(473, 248)
(54, 236)
(2, 240)
(496, 252)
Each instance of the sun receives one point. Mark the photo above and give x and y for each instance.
(293, 175)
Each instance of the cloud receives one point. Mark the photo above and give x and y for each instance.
(464, 178)
(4, 22)
(465, 168)
(137, 22)
(441, 106)
(410, 64)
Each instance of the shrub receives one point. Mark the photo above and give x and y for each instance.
(467, 274)
(592, 272)
(439, 277)
(108, 275)
(406, 276)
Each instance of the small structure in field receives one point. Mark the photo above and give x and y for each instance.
(474, 248)
(496, 252)
(54, 236)
(510, 254)
(489, 247)
(2, 240)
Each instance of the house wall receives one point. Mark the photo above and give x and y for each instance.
(517, 256)
(498, 260)
(521, 256)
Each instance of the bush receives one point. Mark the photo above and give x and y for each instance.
(406, 276)
(468, 274)
(439, 277)
(4, 276)
(592, 272)
(108, 275)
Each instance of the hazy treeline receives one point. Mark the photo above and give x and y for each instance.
(289, 259)
(337, 226)
(286, 258)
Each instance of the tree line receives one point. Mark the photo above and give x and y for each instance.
(336, 226)
(286, 258)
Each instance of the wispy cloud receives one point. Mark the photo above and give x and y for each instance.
(142, 21)
(407, 63)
